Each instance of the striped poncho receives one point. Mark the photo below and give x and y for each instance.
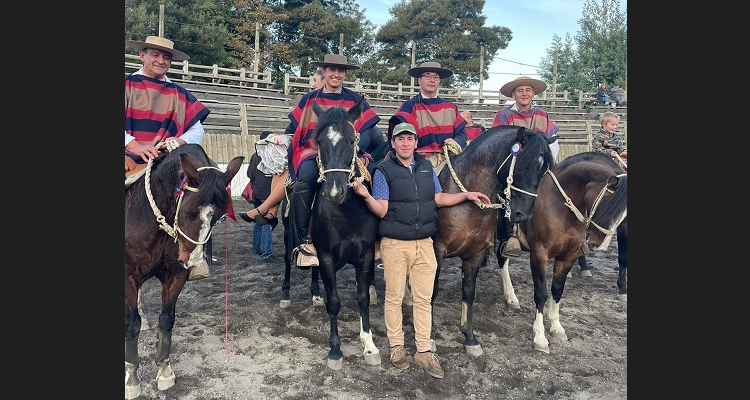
(159, 108)
(535, 118)
(435, 119)
(303, 120)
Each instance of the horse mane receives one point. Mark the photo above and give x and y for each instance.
(534, 143)
(211, 188)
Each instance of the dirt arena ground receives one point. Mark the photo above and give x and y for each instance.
(232, 340)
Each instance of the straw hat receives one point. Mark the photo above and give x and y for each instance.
(509, 87)
(157, 42)
(430, 66)
(335, 60)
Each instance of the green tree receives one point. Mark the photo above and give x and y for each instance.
(600, 52)
(197, 27)
(451, 32)
(313, 29)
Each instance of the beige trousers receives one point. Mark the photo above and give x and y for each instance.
(415, 259)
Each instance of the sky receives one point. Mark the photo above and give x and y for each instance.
(533, 24)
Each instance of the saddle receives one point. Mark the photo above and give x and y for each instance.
(133, 170)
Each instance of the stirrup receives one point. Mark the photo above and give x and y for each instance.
(511, 250)
(305, 256)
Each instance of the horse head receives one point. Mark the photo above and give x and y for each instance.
(530, 158)
(337, 140)
(203, 198)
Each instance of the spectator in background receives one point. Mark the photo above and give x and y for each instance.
(318, 81)
(601, 94)
(617, 95)
(437, 120)
(260, 182)
(522, 113)
(472, 130)
(607, 140)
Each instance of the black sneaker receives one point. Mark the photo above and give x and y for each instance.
(270, 259)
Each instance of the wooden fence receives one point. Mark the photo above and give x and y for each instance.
(298, 84)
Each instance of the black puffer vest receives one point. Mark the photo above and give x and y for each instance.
(412, 211)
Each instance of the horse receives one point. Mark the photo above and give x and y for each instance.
(343, 229)
(186, 187)
(508, 159)
(286, 285)
(582, 200)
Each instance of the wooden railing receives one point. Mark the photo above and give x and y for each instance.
(298, 84)
(215, 73)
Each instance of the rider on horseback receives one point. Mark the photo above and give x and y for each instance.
(303, 169)
(522, 113)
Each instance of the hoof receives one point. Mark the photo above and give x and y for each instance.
(133, 391)
(370, 359)
(541, 347)
(165, 377)
(318, 301)
(586, 272)
(561, 336)
(570, 274)
(285, 303)
(335, 364)
(475, 350)
(514, 305)
(623, 297)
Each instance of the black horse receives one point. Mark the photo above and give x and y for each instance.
(169, 216)
(503, 159)
(343, 229)
(582, 200)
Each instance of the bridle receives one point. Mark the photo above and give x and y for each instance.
(587, 220)
(352, 180)
(175, 229)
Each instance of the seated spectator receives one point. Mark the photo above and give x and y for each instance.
(601, 94)
(472, 130)
(617, 95)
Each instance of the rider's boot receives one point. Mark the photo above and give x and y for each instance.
(511, 247)
(300, 204)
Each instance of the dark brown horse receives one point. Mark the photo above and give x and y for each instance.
(169, 215)
(582, 200)
(503, 159)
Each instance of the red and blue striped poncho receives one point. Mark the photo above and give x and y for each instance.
(303, 120)
(435, 119)
(159, 108)
(535, 118)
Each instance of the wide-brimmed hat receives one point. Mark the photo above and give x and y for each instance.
(404, 128)
(335, 60)
(430, 66)
(157, 42)
(509, 87)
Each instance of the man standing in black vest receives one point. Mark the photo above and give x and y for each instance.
(406, 194)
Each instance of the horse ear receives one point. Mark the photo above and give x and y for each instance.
(188, 167)
(232, 168)
(317, 108)
(612, 182)
(521, 134)
(356, 111)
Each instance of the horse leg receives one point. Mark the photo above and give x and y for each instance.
(317, 299)
(508, 291)
(132, 330)
(468, 294)
(286, 297)
(371, 352)
(333, 305)
(585, 270)
(622, 261)
(538, 275)
(171, 289)
(144, 322)
(371, 285)
(559, 276)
